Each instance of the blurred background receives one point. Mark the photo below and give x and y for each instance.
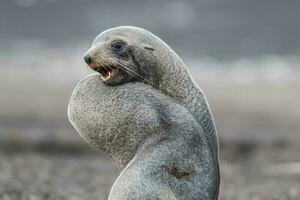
(243, 54)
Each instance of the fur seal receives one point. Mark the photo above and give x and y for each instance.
(158, 144)
(131, 54)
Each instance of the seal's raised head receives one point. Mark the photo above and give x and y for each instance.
(124, 54)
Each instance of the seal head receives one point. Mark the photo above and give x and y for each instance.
(115, 54)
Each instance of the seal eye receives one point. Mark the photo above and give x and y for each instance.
(118, 45)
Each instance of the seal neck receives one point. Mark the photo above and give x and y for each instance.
(177, 82)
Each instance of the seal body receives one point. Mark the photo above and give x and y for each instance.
(131, 54)
(156, 142)
(173, 165)
(108, 117)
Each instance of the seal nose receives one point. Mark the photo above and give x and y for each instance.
(88, 59)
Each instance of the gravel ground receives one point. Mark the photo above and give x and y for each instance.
(34, 175)
(246, 174)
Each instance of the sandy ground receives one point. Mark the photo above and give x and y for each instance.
(42, 157)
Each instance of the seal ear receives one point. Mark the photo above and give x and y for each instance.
(148, 47)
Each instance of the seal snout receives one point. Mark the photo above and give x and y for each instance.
(108, 70)
(87, 59)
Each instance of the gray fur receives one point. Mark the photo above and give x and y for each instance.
(161, 149)
(162, 68)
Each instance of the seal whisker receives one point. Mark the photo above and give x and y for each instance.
(135, 73)
(107, 63)
(129, 70)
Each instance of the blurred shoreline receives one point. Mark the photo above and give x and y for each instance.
(254, 93)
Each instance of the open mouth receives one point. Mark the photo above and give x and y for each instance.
(107, 73)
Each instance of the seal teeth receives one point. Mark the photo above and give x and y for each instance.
(102, 71)
(108, 76)
(107, 73)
